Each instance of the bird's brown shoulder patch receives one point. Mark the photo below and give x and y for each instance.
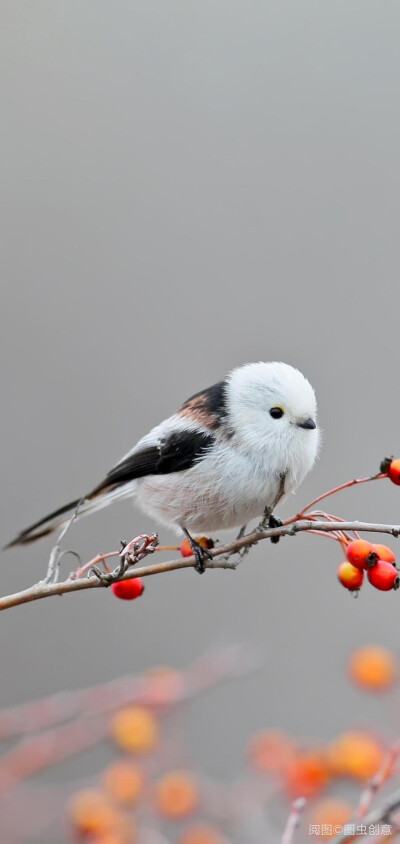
(206, 408)
(197, 411)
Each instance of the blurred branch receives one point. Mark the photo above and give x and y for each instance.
(377, 781)
(380, 816)
(88, 711)
(312, 523)
(201, 676)
(293, 820)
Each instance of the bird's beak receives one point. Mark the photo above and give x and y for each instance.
(309, 424)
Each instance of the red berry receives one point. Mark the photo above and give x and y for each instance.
(384, 576)
(128, 590)
(385, 553)
(394, 472)
(350, 576)
(186, 550)
(361, 554)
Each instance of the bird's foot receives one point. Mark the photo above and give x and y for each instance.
(264, 524)
(200, 553)
(274, 522)
(270, 521)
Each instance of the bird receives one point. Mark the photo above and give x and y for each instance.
(228, 455)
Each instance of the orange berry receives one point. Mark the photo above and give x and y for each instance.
(330, 814)
(307, 775)
(124, 782)
(92, 814)
(384, 576)
(373, 668)
(385, 553)
(350, 577)
(125, 834)
(202, 834)
(206, 542)
(186, 549)
(355, 754)
(394, 472)
(271, 751)
(111, 839)
(177, 795)
(135, 729)
(128, 590)
(361, 554)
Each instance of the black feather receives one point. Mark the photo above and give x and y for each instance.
(30, 534)
(178, 451)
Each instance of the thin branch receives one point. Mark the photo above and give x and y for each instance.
(381, 815)
(377, 781)
(46, 590)
(293, 820)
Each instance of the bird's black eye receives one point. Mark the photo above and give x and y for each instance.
(276, 412)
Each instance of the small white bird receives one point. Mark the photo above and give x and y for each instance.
(227, 456)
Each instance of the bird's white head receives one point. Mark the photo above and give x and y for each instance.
(273, 407)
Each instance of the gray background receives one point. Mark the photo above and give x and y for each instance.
(187, 187)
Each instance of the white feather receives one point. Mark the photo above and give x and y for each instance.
(240, 476)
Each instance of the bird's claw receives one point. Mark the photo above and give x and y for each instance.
(274, 522)
(201, 554)
(270, 521)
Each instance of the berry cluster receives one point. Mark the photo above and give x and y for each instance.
(378, 561)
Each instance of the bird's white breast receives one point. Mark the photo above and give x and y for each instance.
(229, 487)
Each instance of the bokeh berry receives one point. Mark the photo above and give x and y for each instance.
(373, 668)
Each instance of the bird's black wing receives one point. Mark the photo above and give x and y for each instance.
(179, 450)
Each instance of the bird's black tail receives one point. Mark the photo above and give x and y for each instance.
(44, 526)
(100, 497)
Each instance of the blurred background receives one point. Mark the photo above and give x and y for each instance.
(187, 187)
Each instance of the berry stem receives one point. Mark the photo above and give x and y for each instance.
(99, 558)
(336, 489)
